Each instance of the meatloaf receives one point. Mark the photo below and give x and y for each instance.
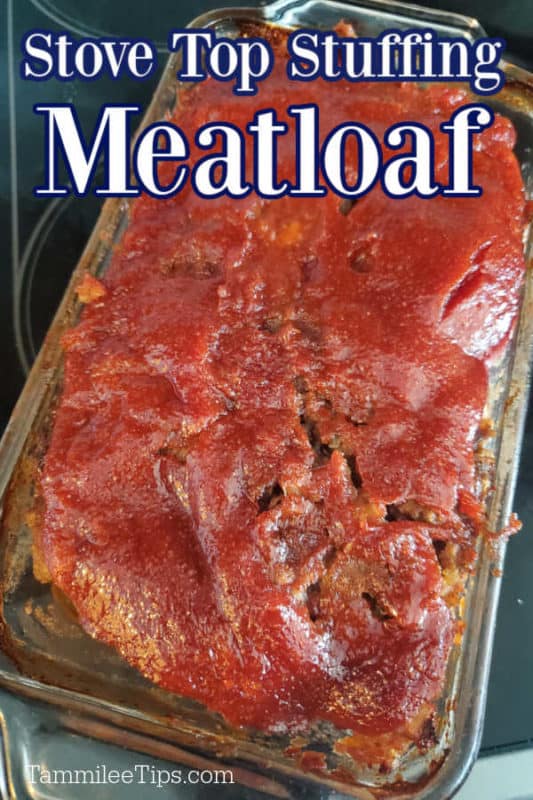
(261, 483)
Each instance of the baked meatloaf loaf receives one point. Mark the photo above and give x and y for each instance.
(261, 483)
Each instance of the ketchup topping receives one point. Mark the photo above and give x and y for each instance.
(268, 422)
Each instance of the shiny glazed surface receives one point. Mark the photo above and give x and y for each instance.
(267, 429)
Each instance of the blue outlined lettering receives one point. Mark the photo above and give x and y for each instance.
(58, 55)
(223, 172)
(420, 162)
(230, 163)
(334, 161)
(460, 129)
(307, 151)
(246, 61)
(265, 129)
(409, 55)
(63, 135)
(161, 141)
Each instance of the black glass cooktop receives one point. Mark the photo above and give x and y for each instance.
(41, 240)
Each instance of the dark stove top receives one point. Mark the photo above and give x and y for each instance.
(41, 241)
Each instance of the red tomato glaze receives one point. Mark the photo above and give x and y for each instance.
(249, 402)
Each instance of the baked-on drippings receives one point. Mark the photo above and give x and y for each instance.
(261, 482)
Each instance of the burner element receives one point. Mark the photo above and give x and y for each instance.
(51, 253)
(100, 18)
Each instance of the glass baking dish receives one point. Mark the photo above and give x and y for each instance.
(84, 685)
